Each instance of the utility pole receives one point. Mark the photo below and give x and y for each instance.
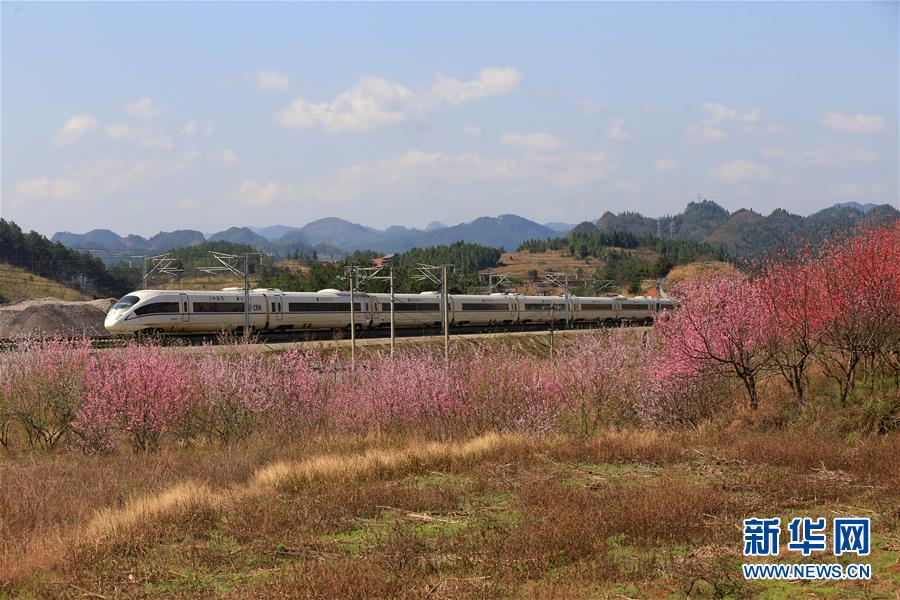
(352, 319)
(437, 274)
(391, 278)
(560, 279)
(552, 305)
(228, 264)
(445, 312)
(357, 276)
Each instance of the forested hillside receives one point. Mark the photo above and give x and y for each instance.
(746, 233)
(38, 255)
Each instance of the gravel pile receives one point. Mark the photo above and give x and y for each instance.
(52, 316)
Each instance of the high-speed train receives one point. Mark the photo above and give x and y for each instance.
(205, 311)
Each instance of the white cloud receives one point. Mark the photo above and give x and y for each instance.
(418, 168)
(492, 81)
(270, 80)
(228, 157)
(143, 109)
(145, 137)
(47, 188)
(858, 123)
(739, 171)
(623, 185)
(831, 155)
(110, 176)
(252, 193)
(472, 131)
(375, 102)
(590, 107)
(773, 128)
(536, 142)
(667, 165)
(192, 128)
(713, 126)
(74, 129)
(190, 202)
(616, 130)
(96, 180)
(855, 189)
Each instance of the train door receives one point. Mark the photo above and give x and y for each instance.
(279, 307)
(185, 313)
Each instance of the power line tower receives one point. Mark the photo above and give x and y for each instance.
(437, 274)
(228, 264)
(162, 264)
(494, 281)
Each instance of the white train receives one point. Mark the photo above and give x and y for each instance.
(205, 311)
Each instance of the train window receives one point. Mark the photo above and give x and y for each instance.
(126, 302)
(185, 307)
(596, 307)
(414, 307)
(545, 306)
(485, 306)
(322, 306)
(273, 307)
(157, 308)
(218, 307)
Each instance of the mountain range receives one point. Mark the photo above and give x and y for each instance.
(743, 232)
(331, 235)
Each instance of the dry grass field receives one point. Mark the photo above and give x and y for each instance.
(622, 514)
(518, 265)
(19, 284)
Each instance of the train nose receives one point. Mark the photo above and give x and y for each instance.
(114, 321)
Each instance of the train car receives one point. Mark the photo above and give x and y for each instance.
(496, 309)
(594, 310)
(410, 310)
(326, 309)
(638, 309)
(542, 309)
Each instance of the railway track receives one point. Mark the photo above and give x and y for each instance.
(277, 337)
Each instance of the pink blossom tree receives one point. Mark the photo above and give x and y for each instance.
(796, 303)
(719, 327)
(42, 387)
(142, 392)
(861, 275)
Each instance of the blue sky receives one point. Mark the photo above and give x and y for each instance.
(159, 116)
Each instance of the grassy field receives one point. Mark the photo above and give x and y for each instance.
(619, 515)
(19, 284)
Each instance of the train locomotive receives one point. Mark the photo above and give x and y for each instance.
(205, 311)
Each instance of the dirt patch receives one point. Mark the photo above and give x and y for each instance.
(52, 316)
